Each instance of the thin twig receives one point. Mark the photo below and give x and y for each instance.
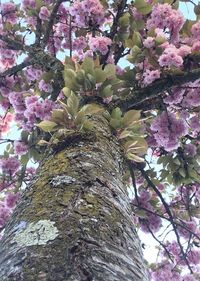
(143, 172)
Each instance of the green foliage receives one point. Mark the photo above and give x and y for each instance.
(128, 129)
(71, 116)
(143, 7)
(84, 78)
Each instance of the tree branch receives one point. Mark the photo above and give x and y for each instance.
(51, 22)
(13, 70)
(38, 32)
(114, 28)
(150, 183)
(12, 44)
(140, 96)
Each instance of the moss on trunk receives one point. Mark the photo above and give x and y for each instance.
(74, 221)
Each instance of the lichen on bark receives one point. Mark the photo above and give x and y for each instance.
(38, 233)
(96, 238)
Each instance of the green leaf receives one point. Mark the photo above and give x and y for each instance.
(137, 39)
(130, 117)
(176, 161)
(160, 40)
(69, 76)
(100, 75)
(182, 172)
(134, 157)
(92, 79)
(141, 213)
(88, 65)
(110, 70)
(80, 76)
(80, 118)
(57, 116)
(116, 113)
(106, 91)
(47, 126)
(24, 159)
(92, 108)
(66, 91)
(136, 55)
(143, 7)
(39, 4)
(115, 123)
(138, 146)
(124, 20)
(87, 125)
(186, 29)
(69, 62)
(72, 104)
(125, 133)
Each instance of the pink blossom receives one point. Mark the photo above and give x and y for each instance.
(168, 129)
(163, 16)
(44, 13)
(194, 257)
(46, 87)
(11, 199)
(190, 149)
(100, 44)
(196, 30)
(149, 42)
(10, 165)
(150, 76)
(88, 12)
(20, 148)
(29, 4)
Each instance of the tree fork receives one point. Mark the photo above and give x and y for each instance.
(74, 221)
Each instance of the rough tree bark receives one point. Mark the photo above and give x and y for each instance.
(74, 221)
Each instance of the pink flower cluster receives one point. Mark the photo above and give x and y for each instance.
(44, 86)
(190, 149)
(7, 57)
(187, 97)
(149, 42)
(192, 97)
(36, 108)
(20, 148)
(8, 11)
(166, 271)
(100, 44)
(7, 206)
(167, 130)
(44, 13)
(33, 74)
(196, 30)
(29, 109)
(165, 17)
(192, 227)
(29, 4)
(150, 76)
(88, 13)
(173, 56)
(9, 165)
(152, 223)
(5, 123)
(79, 44)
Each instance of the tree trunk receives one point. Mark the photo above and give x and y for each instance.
(74, 221)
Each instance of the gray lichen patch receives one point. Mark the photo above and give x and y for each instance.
(62, 180)
(38, 233)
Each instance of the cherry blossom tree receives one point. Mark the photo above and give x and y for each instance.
(104, 98)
